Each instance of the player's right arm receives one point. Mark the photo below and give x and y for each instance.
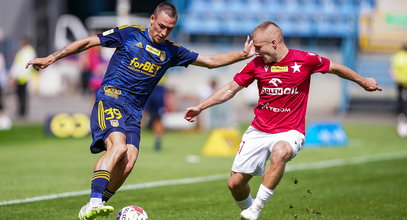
(369, 84)
(219, 96)
(72, 48)
(219, 60)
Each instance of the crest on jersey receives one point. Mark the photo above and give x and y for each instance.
(114, 123)
(163, 55)
(112, 91)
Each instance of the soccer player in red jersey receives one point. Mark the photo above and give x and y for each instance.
(277, 131)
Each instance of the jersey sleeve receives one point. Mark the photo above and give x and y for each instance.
(184, 56)
(246, 76)
(318, 63)
(115, 37)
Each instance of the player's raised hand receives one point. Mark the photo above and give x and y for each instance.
(191, 113)
(249, 49)
(39, 63)
(371, 85)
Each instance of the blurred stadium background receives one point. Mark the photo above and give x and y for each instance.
(362, 34)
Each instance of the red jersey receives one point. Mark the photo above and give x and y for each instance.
(283, 89)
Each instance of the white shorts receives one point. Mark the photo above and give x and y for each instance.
(256, 147)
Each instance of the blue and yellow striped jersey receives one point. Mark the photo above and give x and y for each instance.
(138, 64)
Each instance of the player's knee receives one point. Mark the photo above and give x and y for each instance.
(132, 155)
(234, 184)
(282, 151)
(119, 149)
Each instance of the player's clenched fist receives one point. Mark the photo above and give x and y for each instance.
(371, 85)
(191, 113)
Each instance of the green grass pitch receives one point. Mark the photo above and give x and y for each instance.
(32, 164)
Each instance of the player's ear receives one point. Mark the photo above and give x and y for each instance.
(274, 43)
(152, 19)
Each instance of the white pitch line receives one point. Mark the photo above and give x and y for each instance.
(348, 161)
(289, 168)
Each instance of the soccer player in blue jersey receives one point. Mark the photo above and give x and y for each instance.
(141, 58)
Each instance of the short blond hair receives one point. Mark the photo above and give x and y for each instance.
(269, 26)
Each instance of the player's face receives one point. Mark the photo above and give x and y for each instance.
(264, 47)
(161, 27)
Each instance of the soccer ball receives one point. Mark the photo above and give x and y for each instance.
(132, 212)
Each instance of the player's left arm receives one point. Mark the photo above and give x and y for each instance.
(369, 84)
(218, 60)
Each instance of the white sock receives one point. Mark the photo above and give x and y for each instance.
(263, 195)
(244, 204)
(95, 201)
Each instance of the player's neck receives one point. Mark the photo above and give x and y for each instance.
(281, 54)
(149, 35)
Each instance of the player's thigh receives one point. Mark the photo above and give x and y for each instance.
(108, 118)
(253, 153)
